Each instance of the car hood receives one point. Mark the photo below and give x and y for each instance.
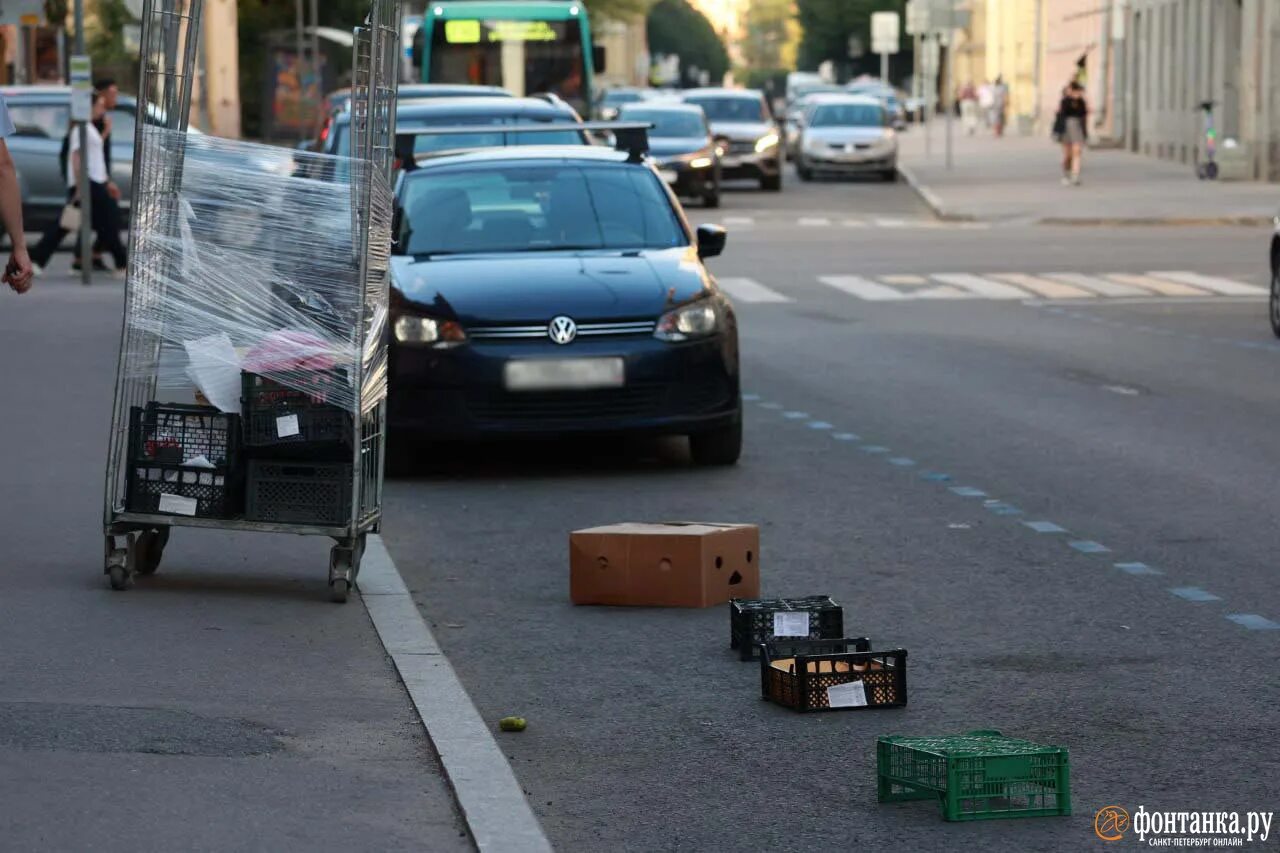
(741, 131)
(844, 135)
(670, 146)
(533, 287)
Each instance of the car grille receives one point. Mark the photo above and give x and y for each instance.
(585, 330)
(544, 407)
(742, 146)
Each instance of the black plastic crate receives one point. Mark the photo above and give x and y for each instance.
(286, 418)
(830, 675)
(756, 621)
(163, 440)
(296, 492)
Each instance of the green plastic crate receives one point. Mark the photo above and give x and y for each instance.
(975, 776)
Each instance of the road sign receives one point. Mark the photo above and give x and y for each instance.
(885, 32)
(26, 12)
(81, 88)
(918, 17)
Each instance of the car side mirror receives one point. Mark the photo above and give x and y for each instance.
(711, 239)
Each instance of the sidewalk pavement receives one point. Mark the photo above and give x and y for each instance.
(223, 704)
(1017, 179)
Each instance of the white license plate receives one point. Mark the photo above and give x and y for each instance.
(561, 374)
(731, 162)
(669, 175)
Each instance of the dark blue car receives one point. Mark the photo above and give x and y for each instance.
(553, 290)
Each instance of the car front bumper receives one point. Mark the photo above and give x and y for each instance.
(751, 165)
(687, 181)
(460, 394)
(870, 161)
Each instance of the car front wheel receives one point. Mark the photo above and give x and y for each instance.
(1275, 299)
(720, 446)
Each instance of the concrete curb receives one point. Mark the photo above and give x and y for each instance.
(940, 210)
(485, 788)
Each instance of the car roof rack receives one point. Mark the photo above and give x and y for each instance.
(629, 136)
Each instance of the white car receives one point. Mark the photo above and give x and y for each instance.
(847, 134)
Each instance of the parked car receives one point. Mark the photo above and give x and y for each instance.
(682, 147)
(752, 137)
(41, 116)
(339, 101)
(557, 290)
(847, 134)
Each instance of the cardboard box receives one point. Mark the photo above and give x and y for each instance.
(671, 564)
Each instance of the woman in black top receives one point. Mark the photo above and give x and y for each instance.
(1071, 128)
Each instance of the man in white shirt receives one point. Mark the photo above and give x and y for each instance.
(18, 272)
(106, 219)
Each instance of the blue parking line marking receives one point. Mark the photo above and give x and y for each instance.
(1254, 622)
(1194, 593)
(873, 448)
(845, 436)
(1002, 508)
(819, 425)
(795, 416)
(1045, 527)
(902, 462)
(771, 405)
(968, 492)
(934, 476)
(1088, 546)
(750, 398)
(1138, 569)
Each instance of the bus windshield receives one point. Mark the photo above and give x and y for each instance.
(525, 57)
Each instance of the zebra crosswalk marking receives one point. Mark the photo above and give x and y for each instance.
(904, 279)
(1097, 284)
(980, 286)
(1225, 286)
(1042, 286)
(856, 285)
(750, 290)
(1166, 288)
(814, 222)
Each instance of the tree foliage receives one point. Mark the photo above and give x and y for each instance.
(771, 35)
(827, 25)
(675, 28)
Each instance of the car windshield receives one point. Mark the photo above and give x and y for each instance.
(727, 108)
(615, 98)
(521, 207)
(669, 123)
(480, 139)
(847, 115)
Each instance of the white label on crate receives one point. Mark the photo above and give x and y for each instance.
(286, 426)
(851, 695)
(178, 505)
(789, 623)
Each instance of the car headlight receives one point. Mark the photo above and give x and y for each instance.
(811, 144)
(764, 143)
(695, 320)
(427, 331)
(700, 162)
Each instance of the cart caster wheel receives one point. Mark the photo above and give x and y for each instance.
(119, 578)
(150, 547)
(339, 590)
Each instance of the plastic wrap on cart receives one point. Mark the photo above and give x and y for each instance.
(254, 264)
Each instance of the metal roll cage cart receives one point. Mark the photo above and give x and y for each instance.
(135, 541)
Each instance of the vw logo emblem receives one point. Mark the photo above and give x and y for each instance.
(562, 330)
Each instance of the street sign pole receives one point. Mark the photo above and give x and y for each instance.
(927, 89)
(950, 90)
(82, 174)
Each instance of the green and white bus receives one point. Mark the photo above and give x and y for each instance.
(528, 47)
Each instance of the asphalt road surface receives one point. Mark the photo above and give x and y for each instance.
(922, 400)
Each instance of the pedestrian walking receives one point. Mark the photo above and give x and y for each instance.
(110, 98)
(999, 105)
(1071, 128)
(104, 212)
(986, 99)
(18, 271)
(969, 108)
